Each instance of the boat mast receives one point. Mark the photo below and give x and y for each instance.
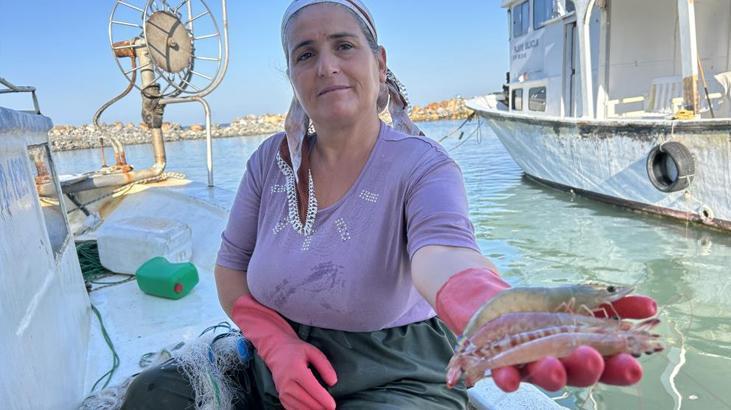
(689, 54)
(583, 19)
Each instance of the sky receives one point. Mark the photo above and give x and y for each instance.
(439, 49)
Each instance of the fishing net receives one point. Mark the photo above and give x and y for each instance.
(110, 398)
(205, 362)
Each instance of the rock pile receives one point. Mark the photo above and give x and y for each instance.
(68, 137)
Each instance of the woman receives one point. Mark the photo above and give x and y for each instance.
(343, 243)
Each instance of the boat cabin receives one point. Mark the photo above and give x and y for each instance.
(647, 59)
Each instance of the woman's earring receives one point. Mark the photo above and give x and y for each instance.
(385, 106)
(384, 98)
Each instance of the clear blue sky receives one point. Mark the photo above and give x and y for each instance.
(439, 49)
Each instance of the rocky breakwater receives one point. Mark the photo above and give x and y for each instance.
(69, 137)
(452, 109)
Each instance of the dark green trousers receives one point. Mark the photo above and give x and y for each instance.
(396, 368)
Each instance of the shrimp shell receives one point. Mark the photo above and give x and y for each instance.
(562, 345)
(476, 353)
(520, 322)
(510, 341)
(541, 299)
(527, 327)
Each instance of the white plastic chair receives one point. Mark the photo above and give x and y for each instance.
(723, 110)
(662, 92)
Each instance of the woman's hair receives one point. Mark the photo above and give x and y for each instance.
(372, 44)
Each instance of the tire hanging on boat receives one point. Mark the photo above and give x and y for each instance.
(670, 167)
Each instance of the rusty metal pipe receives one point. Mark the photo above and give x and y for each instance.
(111, 180)
(121, 49)
(158, 148)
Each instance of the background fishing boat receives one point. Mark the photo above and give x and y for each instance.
(626, 102)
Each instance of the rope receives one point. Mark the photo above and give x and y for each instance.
(128, 187)
(476, 131)
(219, 325)
(684, 115)
(468, 119)
(162, 177)
(82, 206)
(115, 357)
(92, 269)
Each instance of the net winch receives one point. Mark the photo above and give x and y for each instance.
(170, 53)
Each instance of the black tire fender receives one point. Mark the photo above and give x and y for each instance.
(671, 167)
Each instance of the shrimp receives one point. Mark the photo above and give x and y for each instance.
(507, 342)
(520, 322)
(484, 348)
(476, 353)
(562, 345)
(541, 299)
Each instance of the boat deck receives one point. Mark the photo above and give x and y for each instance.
(139, 323)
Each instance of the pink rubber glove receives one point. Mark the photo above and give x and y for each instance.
(466, 291)
(286, 355)
(460, 297)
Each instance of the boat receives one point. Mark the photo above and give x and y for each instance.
(72, 338)
(622, 101)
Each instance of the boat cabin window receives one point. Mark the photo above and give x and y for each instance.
(543, 10)
(517, 99)
(44, 176)
(537, 99)
(521, 16)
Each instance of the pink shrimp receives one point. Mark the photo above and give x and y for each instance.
(596, 326)
(520, 322)
(561, 345)
(491, 349)
(473, 353)
(539, 299)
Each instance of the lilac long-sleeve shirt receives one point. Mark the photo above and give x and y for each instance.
(353, 272)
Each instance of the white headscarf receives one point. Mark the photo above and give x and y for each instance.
(392, 93)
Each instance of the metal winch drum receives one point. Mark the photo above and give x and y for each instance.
(181, 44)
(172, 52)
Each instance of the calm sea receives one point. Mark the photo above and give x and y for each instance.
(540, 236)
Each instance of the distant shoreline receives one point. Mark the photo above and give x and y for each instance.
(69, 137)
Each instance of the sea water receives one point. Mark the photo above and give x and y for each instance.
(540, 236)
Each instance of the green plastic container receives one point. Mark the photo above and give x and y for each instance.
(158, 277)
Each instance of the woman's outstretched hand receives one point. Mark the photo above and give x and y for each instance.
(585, 366)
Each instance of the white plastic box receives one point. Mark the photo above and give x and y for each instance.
(126, 244)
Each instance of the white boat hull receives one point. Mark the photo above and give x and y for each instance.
(607, 160)
(44, 306)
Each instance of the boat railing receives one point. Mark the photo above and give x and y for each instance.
(665, 98)
(12, 88)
